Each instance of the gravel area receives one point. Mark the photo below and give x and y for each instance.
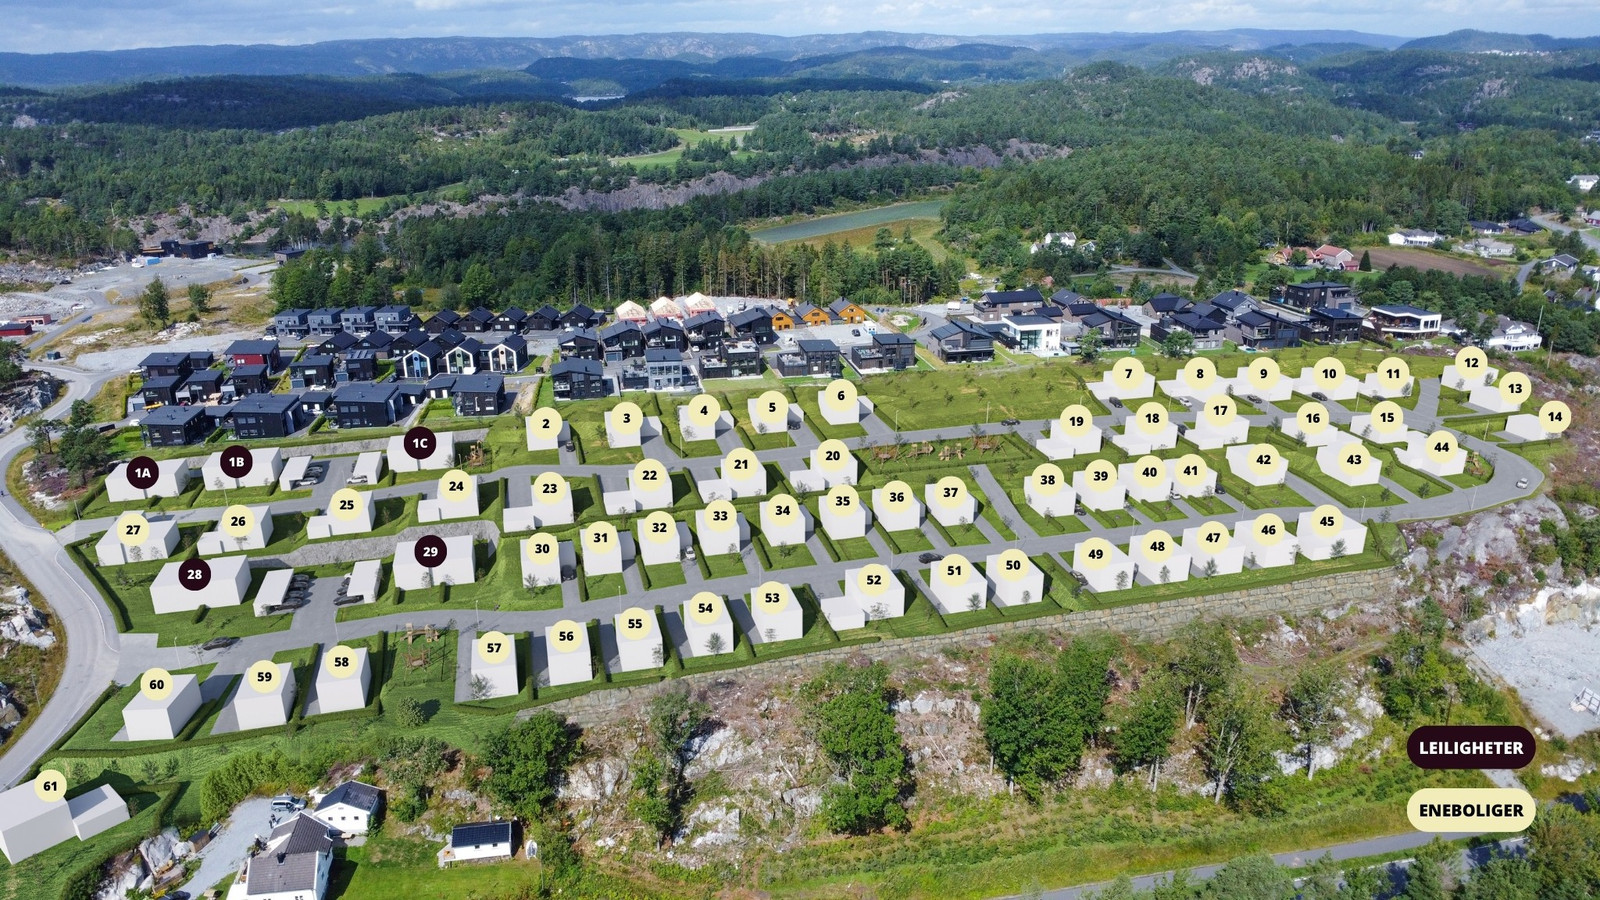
(221, 858)
(1548, 665)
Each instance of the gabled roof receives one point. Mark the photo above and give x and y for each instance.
(1565, 259)
(165, 359)
(658, 325)
(397, 310)
(838, 306)
(891, 337)
(475, 834)
(1256, 319)
(1193, 323)
(291, 315)
(447, 316)
(467, 345)
(618, 329)
(290, 861)
(1231, 300)
(481, 314)
(513, 342)
(802, 310)
(547, 312)
(955, 327)
(365, 392)
(1165, 303)
(513, 313)
(342, 340)
(377, 340)
(579, 336)
(584, 311)
(449, 338)
(700, 320)
(325, 312)
(316, 359)
(161, 382)
(429, 349)
(1066, 297)
(750, 316)
(250, 370)
(577, 367)
(310, 398)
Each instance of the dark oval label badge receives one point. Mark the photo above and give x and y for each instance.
(1471, 747)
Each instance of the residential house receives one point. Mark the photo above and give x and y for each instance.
(338, 344)
(1511, 336)
(291, 323)
(890, 351)
(315, 403)
(295, 864)
(511, 320)
(1486, 228)
(545, 318)
(666, 308)
(201, 385)
(1564, 263)
(1401, 321)
(157, 365)
(1524, 226)
(15, 329)
(478, 841)
(705, 329)
(359, 319)
(176, 426)
(580, 344)
(247, 380)
(666, 371)
(1327, 325)
(1027, 333)
(665, 334)
(960, 341)
(478, 320)
(622, 340)
(1312, 294)
(754, 324)
(1065, 298)
(351, 808)
(579, 379)
(442, 321)
(323, 322)
(289, 254)
(810, 357)
(380, 343)
(510, 355)
(1207, 333)
(395, 319)
(812, 315)
(479, 395)
(161, 390)
(732, 359)
(421, 363)
(1001, 303)
(266, 416)
(631, 311)
(581, 316)
(359, 365)
(314, 371)
(781, 319)
(1411, 237)
(1489, 249)
(1064, 239)
(1116, 328)
(364, 405)
(1166, 304)
(848, 313)
(1330, 257)
(462, 359)
(1262, 329)
(1584, 183)
(1233, 304)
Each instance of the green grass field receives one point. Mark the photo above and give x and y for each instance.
(687, 137)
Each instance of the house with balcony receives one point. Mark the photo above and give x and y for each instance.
(753, 324)
(580, 344)
(732, 359)
(1027, 333)
(323, 322)
(579, 379)
(705, 329)
(365, 405)
(394, 319)
(665, 334)
(960, 341)
(1312, 294)
(622, 341)
(1208, 333)
(1326, 325)
(315, 371)
(809, 358)
(508, 356)
(1261, 329)
(886, 352)
(462, 359)
(847, 313)
(1400, 321)
(291, 323)
(358, 319)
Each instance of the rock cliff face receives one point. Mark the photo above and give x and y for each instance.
(33, 393)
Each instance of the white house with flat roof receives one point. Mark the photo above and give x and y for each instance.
(442, 457)
(172, 478)
(230, 581)
(266, 463)
(338, 690)
(265, 709)
(218, 541)
(159, 543)
(144, 719)
(456, 568)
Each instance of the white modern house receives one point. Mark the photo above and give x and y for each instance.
(230, 580)
(159, 542)
(1412, 237)
(266, 463)
(172, 477)
(144, 719)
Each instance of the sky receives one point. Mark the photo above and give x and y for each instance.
(37, 26)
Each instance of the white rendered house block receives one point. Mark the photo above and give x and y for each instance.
(1142, 389)
(567, 650)
(1316, 545)
(369, 468)
(1229, 559)
(1154, 490)
(457, 567)
(1149, 564)
(538, 439)
(445, 506)
(1346, 388)
(274, 587)
(294, 469)
(1489, 397)
(230, 579)
(904, 515)
(549, 504)
(605, 550)
(364, 579)
(1240, 386)
(266, 464)
(1013, 587)
(1465, 380)
(619, 434)
(345, 688)
(30, 824)
(499, 676)
(1205, 486)
(1361, 427)
(950, 512)
(888, 603)
(1526, 427)
(1240, 464)
(1334, 461)
(1264, 556)
(784, 521)
(639, 640)
(217, 541)
(1180, 389)
(545, 568)
(144, 719)
(1207, 436)
(159, 543)
(329, 525)
(1373, 386)
(1136, 442)
(967, 593)
(172, 477)
(721, 538)
(842, 522)
(1102, 575)
(702, 636)
(848, 414)
(648, 494)
(97, 811)
(258, 709)
(443, 456)
(1416, 455)
(659, 548)
(843, 613)
(1099, 497)
(778, 618)
(1290, 426)
(1062, 502)
(1063, 445)
(692, 432)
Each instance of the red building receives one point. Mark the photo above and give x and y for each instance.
(15, 329)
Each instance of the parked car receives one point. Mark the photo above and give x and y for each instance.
(1522, 483)
(1010, 422)
(1078, 577)
(571, 447)
(1318, 395)
(855, 332)
(1115, 402)
(219, 643)
(1252, 398)
(1221, 491)
(287, 803)
(794, 426)
(929, 557)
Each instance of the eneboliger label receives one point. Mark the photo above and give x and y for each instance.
(1471, 747)
(1471, 809)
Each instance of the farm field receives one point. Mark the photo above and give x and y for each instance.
(1384, 257)
(822, 226)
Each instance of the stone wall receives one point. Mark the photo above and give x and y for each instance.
(1146, 620)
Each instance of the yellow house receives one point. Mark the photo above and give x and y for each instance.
(845, 311)
(811, 315)
(782, 321)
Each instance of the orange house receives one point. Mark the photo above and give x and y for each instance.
(811, 315)
(782, 321)
(845, 311)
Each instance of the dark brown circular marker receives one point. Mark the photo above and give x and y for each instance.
(142, 472)
(236, 462)
(430, 551)
(421, 442)
(194, 574)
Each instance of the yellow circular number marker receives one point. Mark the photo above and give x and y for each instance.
(1354, 459)
(783, 510)
(772, 409)
(454, 486)
(1442, 446)
(1471, 363)
(543, 549)
(1394, 374)
(650, 473)
(874, 579)
(492, 647)
(1149, 472)
(1213, 537)
(1328, 373)
(1100, 475)
(833, 455)
(545, 424)
(347, 504)
(953, 570)
(238, 521)
(740, 463)
(636, 624)
(843, 499)
(1191, 470)
(627, 418)
(1554, 417)
(550, 488)
(156, 684)
(1268, 529)
(706, 608)
(659, 528)
(1515, 388)
(1151, 418)
(1263, 461)
(1388, 417)
(1327, 520)
(601, 537)
(340, 661)
(1157, 546)
(1200, 374)
(262, 676)
(1096, 553)
(1048, 479)
(704, 410)
(721, 516)
(840, 396)
(1262, 374)
(132, 529)
(1127, 374)
(1219, 411)
(1312, 418)
(1076, 420)
(50, 786)
(950, 492)
(897, 496)
(1013, 565)
(772, 598)
(566, 636)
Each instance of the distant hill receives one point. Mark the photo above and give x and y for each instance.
(455, 54)
(1481, 41)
